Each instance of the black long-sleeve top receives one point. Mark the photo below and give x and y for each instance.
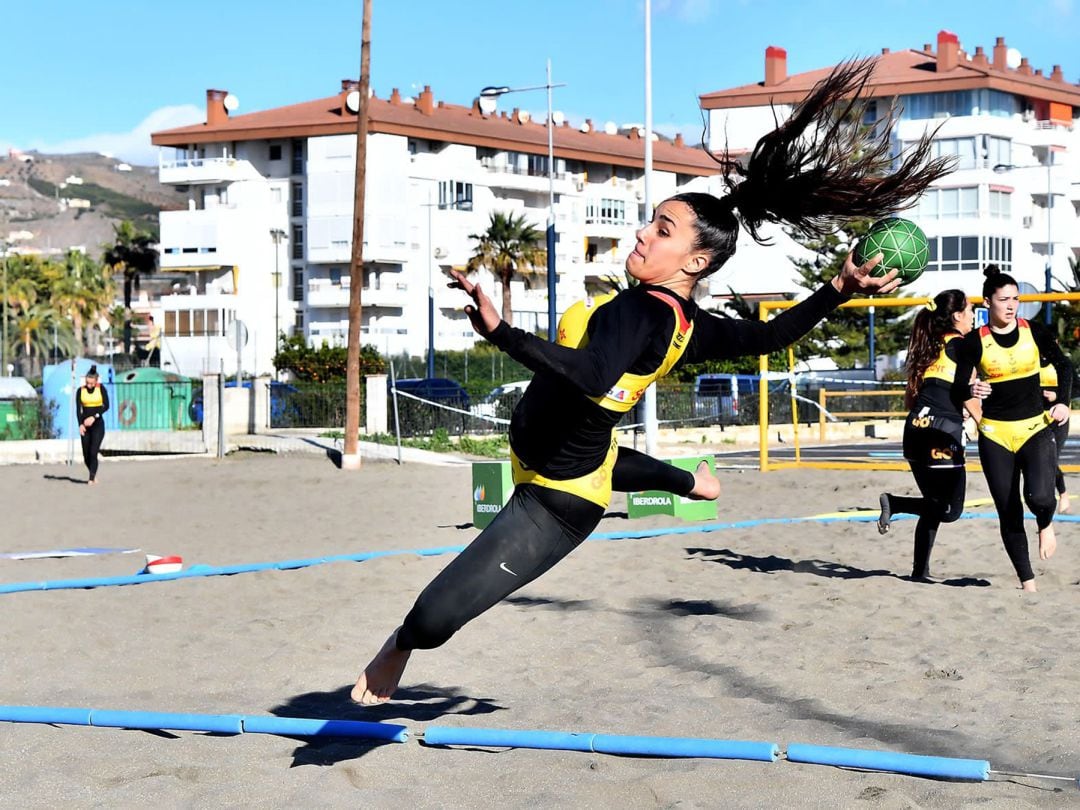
(558, 431)
(1011, 400)
(83, 411)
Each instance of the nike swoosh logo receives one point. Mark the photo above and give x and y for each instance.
(502, 565)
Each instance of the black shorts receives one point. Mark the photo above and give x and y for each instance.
(934, 441)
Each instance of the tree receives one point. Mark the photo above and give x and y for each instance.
(844, 335)
(132, 253)
(39, 330)
(509, 247)
(81, 289)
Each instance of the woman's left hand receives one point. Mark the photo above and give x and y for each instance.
(857, 279)
(482, 314)
(1060, 413)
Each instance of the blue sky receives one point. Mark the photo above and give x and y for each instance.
(111, 72)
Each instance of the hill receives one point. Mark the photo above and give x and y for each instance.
(67, 201)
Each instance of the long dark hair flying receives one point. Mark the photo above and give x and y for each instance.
(932, 323)
(819, 169)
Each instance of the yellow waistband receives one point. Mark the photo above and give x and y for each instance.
(594, 486)
(1013, 434)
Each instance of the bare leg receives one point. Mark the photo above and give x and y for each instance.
(706, 485)
(1029, 586)
(380, 678)
(1063, 503)
(1047, 542)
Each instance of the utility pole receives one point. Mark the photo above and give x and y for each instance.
(350, 458)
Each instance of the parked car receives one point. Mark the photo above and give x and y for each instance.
(434, 389)
(505, 395)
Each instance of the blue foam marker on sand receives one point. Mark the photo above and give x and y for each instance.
(45, 714)
(977, 770)
(603, 743)
(304, 727)
(222, 723)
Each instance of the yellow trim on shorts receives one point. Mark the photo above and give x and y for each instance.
(1012, 435)
(594, 486)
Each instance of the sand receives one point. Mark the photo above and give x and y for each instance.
(781, 633)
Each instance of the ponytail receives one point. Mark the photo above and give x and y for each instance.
(932, 323)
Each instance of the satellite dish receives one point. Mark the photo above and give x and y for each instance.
(557, 118)
(523, 116)
(237, 334)
(488, 104)
(352, 101)
(586, 127)
(611, 128)
(1012, 58)
(230, 102)
(1028, 309)
(440, 253)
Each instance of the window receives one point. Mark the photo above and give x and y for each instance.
(298, 284)
(297, 156)
(297, 199)
(606, 212)
(538, 165)
(1000, 204)
(998, 151)
(963, 149)
(275, 151)
(961, 102)
(298, 324)
(298, 241)
(455, 194)
(949, 253)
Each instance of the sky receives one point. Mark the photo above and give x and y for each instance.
(102, 76)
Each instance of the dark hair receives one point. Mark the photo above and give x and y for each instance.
(817, 170)
(928, 337)
(995, 280)
(93, 371)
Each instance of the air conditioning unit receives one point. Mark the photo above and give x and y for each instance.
(440, 253)
(580, 185)
(1026, 222)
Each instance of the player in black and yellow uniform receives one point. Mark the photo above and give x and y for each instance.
(934, 429)
(1014, 439)
(91, 403)
(1048, 381)
(561, 432)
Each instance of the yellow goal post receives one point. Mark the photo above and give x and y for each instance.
(765, 308)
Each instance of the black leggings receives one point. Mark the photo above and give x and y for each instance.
(1037, 461)
(91, 446)
(536, 529)
(1061, 433)
(636, 472)
(942, 502)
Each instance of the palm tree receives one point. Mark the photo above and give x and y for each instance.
(82, 290)
(510, 246)
(39, 330)
(132, 254)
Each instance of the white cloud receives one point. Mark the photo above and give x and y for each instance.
(134, 146)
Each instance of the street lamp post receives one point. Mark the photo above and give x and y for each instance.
(277, 234)
(1006, 167)
(488, 99)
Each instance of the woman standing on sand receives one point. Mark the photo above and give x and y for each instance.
(91, 404)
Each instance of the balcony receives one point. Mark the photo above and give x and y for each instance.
(325, 293)
(501, 175)
(200, 238)
(201, 171)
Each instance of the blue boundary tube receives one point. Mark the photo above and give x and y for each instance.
(219, 723)
(603, 743)
(977, 770)
(286, 565)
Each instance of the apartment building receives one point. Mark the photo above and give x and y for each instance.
(267, 236)
(1014, 198)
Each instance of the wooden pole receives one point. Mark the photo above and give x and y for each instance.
(350, 458)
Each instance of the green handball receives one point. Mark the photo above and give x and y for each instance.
(903, 244)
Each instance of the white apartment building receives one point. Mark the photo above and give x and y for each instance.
(435, 172)
(1014, 198)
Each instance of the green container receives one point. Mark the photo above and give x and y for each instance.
(18, 419)
(653, 502)
(492, 485)
(151, 399)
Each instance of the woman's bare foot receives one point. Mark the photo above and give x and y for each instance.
(380, 678)
(1047, 542)
(1063, 503)
(706, 485)
(1029, 586)
(91, 482)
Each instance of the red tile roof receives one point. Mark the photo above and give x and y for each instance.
(905, 72)
(445, 122)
